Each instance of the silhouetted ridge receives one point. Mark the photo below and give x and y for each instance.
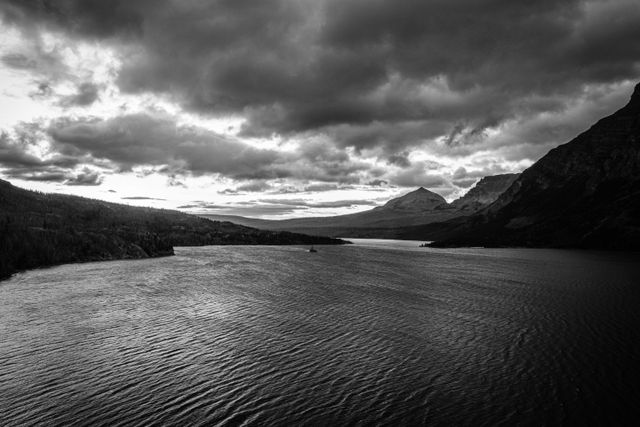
(585, 193)
(635, 97)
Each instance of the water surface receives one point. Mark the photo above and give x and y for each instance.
(378, 332)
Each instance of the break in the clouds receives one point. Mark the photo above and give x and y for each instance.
(282, 95)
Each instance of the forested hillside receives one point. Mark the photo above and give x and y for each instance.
(39, 229)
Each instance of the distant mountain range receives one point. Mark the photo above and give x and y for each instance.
(415, 208)
(39, 229)
(585, 193)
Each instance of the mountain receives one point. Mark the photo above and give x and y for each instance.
(418, 207)
(39, 229)
(485, 192)
(585, 193)
(418, 201)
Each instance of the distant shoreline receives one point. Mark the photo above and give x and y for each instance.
(40, 230)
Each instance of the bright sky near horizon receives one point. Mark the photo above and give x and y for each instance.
(288, 108)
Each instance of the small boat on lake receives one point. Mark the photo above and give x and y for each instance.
(312, 249)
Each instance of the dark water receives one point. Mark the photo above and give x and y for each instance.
(374, 333)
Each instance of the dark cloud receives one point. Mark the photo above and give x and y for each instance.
(248, 187)
(88, 18)
(379, 77)
(249, 209)
(87, 94)
(44, 62)
(13, 152)
(418, 175)
(145, 139)
(279, 188)
(271, 207)
(17, 61)
(43, 90)
(31, 175)
(174, 181)
(294, 66)
(140, 198)
(18, 161)
(301, 203)
(377, 183)
(154, 143)
(315, 188)
(400, 159)
(85, 178)
(254, 187)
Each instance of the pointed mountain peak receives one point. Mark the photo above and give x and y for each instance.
(422, 193)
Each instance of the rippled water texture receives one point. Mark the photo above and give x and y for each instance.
(372, 333)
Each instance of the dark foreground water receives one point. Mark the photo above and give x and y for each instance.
(373, 333)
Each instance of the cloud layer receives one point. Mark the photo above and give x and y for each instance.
(364, 91)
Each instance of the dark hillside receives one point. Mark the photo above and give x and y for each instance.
(584, 194)
(39, 229)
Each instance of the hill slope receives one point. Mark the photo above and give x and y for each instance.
(585, 193)
(45, 229)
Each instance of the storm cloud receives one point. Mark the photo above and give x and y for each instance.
(365, 91)
(161, 145)
(292, 66)
(87, 94)
(143, 139)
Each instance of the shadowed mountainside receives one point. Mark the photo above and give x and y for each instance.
(485, 192)
(418, 207)
(39, 229)
(585, 193)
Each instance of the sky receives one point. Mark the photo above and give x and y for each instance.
(291, 108)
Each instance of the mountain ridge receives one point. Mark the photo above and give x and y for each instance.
(485, 192)
(420, 206)
(584, 193)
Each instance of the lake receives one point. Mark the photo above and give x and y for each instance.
(375, 333)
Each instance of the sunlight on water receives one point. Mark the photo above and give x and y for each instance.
(379, 332)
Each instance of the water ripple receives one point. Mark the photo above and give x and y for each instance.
(355, 335)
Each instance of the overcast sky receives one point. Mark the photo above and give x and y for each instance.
(281, 108)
